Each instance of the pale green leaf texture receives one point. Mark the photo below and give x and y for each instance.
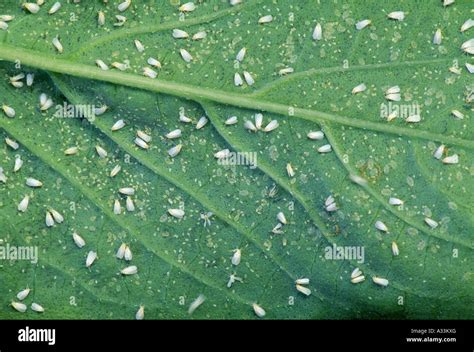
(179, 259)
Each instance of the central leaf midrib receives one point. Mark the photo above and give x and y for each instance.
(59, 65)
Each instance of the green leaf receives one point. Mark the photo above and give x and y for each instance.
(371, 160)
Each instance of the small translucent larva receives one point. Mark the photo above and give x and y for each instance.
(139, 46)
(201, 123)
(199, 35)
(238, 80)
(259, 311)
(176, 213)
(180, 34)
(100, 110)
(172, 152)
(78, 240)
(196, 303)
(302, 281)
(18, 306)
(118, 125)
(154, 62)
(236, 257)
(56, 216)
(272, 125)
(222, 154)
(31, 182)
(359, 89)
(437, 37)
(281, 218)
(186, 55)
(379, 225)
(413, 118)
(395, 201)
(8, 110)
(395, 250)
(57, 44)
(148, 72)
(325, 148)
(231, 120)
(123, 6)
(241, 54)
(248, 78)
(140, 313)
(187, 7)
(100, 18)
(457, 114)
(467, 25)
(30, 77)
(362, 24)
(452, 159)
(115, 170)
(173, 134)
(117, 207)
(380, 281)
(431, 223)
(396, 15)
(141, 143)
(265, 19)
(91, 257)
(101, 152)
(23, 205)
(31, 7)
(119, 66)
(146, 137)
(248, 125)
(315, 135)
(37, 308)
(289, 170)
(23, 294)
(286, 71)
(18, 164)
(128, 191)
(49, 219)
(121, 251)
(317, 32)
(129, 270)
(304, 290)
(56, 6)
(71, 151)
(101, 64)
